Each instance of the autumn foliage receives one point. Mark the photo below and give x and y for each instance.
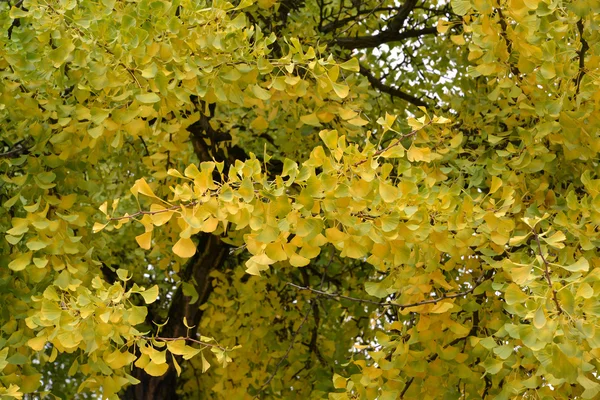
(299, 199)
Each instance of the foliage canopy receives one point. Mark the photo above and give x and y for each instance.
(299, 199)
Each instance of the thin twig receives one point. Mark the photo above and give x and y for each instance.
(200, 342)
(547, 272)
(478, 282)
(142, 212)
(130, 72)
(393, 144)
(406, 387)
(357, 20)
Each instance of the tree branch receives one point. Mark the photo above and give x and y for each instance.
(313, 344)
(392, 91)
(189, 339)
(547, 272)
(368, 42)
(396, 22)
(18, 149)
(330, 27)
(142, 212)
(406, 387)
(581, 53)
(504, 33)
(478, 282)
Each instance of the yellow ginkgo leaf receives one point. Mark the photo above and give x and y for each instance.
(154, 369)
(144, 240)
(184, 248)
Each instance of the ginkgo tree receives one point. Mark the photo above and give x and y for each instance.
(299, 199)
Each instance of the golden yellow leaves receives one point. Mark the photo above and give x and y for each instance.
(150, 295)
(184, 248)
(21, 262)
(283, 226)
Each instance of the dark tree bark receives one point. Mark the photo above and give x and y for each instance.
(211, 255)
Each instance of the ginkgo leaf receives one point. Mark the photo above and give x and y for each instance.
(556, 240)
(496, 184)
(539, 319)
(141, 186)
(21, 262)
(160, 215)
(351, 65)
(441, 307)
(330, 138)
(260, 93)
(205, 363)
(298, 261)
(388, 192)
(184, 248)
(461, 7)
(513, 295)
(580, 265)
(396, 151)
(341, 89)
(311, 119)
(154, 369)
(358, 121)
(37, 343)
(148, 98)
(377, 289)
(104, 208)
(177, 347)
(144, 240)
(176, 365)
(150, 295)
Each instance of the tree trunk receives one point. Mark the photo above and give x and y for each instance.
(211, 254)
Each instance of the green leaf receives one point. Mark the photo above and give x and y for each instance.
(580, 265)
(190, 291)
(310, 119)
(16, 12)
(341, 89)
(147, 98)
(21, 262)
(461, 7)
(260, 93)
(514, 295)
(351, 65)
(539, 319)
(377, 289)
(150, 295)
